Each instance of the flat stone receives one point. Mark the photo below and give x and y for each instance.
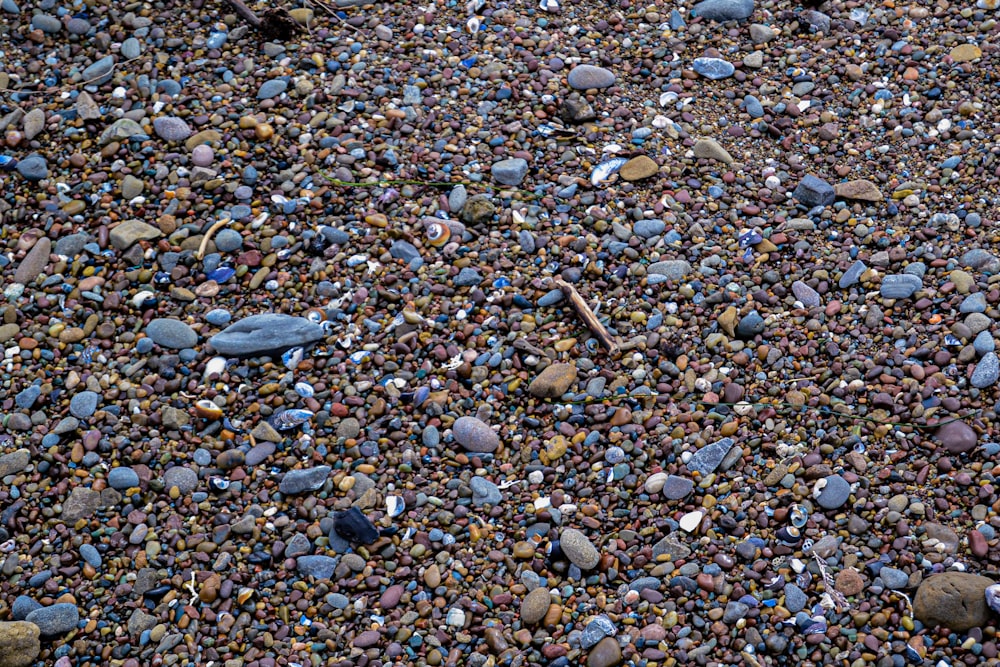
(966, 53)
(14, 462)
(578, 549)
(554, 381)
(648, 228)
(475, 435)
(807, 295)
(130, 232)
(132, 187)
(318, 567)
(713, 68)
(34, 262)
(723, 10)
(46, 23)
(900, 285)
(671, 269)
(34, 123)
(484, 492)
(859, 189)
(122, 478)
(81, 504)
(750, 325)
(100, 71)
(296, 482)
(585, 77)
(87, 108)
(677, 488)
(955, 600)
(510, 172)
(852, 276)
(795, 598)
(171, 333)
(19, 645)
(672, 547)
(638, 168)
(33, 168)
(894, 579)
(123, 128)
(709, 457)
(139, 622)
(271, 88)
(709, 149)
(131, 48)
(956, 437)
(761, 34)
(813, 191)
(56, 619)
(171, 128)
(267, 334)
(835, 493)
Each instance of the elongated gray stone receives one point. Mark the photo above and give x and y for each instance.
(266, 334)
(709, 457)
(303, 481)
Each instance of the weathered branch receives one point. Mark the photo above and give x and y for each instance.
(245, 13)
(588, 316)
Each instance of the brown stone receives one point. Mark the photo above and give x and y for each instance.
(957, 437)
(535, 605)
(34, 262)
(860, 189)
(849, 582)
(607, 653)
(955, 600)
(966, 52)
(638, 168)
(19, 644)
(709, 149)
(554, 381)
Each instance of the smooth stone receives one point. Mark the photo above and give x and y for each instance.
(484, 492)
(723, 10)
(955, 600)
(56, 619)
(813, 191)
(271, 88)
(318, 567)
(638, 168)
(33, 168)
(987, 371)
(750, 325)
(795, 598)
(578, 549)
(81, 504)
(14, 462)
(852, 276)
(535, 605)
(807, 295)
(894, 579)
(677, 488)
(475, 435)
(859, 189)
(671, 269)
(46, 23)
(171, 128)
(131, 48)
(900, 286)
(710, 149)
(100, 71)
(130, 232)
(306, 480)
(956, 437)
(171, 333)
(713, 68)
(122, 478)
(228, 240)
(84, 404)
(132, 187)
(185, 479)
(710, 457)
(19, 645)
(123, 128)
(607, 653)
(585, 77)
(34, 262)
(468, 277)
(835, 493)
(554, 381)
(649, 228)
(266, 334)
(510, 172)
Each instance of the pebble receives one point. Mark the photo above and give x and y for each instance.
(835, 493)
(554, 381)
(954, 600)
(56, 619)
(813, 191)
(510, 172)
(475, 435)
(33, 168)
(724, 10)
(171, 128)
(304, 481)
(987, 371)
(713, 68)
(534, 606)
(578, 549)
(586, 77)
(265, 334)
(485, 492)
(84, 404)
(171, 333)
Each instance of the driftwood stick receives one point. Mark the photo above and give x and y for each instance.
(588, 316)
(245, 13)
(208, 237)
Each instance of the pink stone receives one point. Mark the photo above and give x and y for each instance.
(977, 544)
(202, 155)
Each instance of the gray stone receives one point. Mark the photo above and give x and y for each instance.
(185, 479)
(33, 168)
(984, 342)
(510, 172)
(34, 123)
(468, 277)
(900, 286)
(139, 622)
(807, 295)
(14, 462)
(977, 258)
(753, 106)
(271, 88)
(22, 606)
(27, 397)
(84, 404)
(78, 26)
(974, 303)
(266, 334)
(671, 546)
(228, 240)
(709, 457)
(296, 482)
(723, 10)
(90, 555)
(100, 71)
(475, 435)
(122, 478)
(484, 492)
(457, 198)
(34, 262)
(171, 128)
(813, 191)
(713, 68)
(648, 228)
(987, 371)
(81, 504)
(894, 579)
(123, 128)
(404, 250)
(132, 187)
(672, 269)
(734, 611)
(72, 245)
(750, 325)
(171, 333)
(835, 493)
(318, 567)
(46, 23)
(578, 549)
(299, 545)
(55, 619)
(795, 598)
(852, 276)
(131, 48)
(676, 488)
(585, 77)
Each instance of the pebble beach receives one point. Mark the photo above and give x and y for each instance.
(499, 333)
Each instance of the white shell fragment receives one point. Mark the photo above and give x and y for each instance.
(690, 521)
(394, 506)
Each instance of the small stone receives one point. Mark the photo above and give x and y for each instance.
(638, 168)
(709, 149)
(835, 493)
(84, 404)
(484, 492)
(131, 48)
(813, 191)
(671, 269)
(81, 504)
(956, 437)
(122, 478)
(100, 71)
(306, 480)
(708, 458)
(14, 462)
(171, 128)
(955, 600)
(807, 295)
(849, 582)
(860, 189)
(852, 276)
(648, 228)
(585, 77)
(271, 88)
(171, 333)
(900, 286)
(750, 325)
(475, 435)
(33, 168)
(86, 107)
(318, 567)
(185, 479)
(510, 172)
(578, 549)
(795, 598)
(677, 488)
(894, 579)
(56, 619)
(554, 381)
(132, 187)
(19, 645)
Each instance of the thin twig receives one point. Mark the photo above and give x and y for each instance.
(246, 13)
(588, 316)
(61, 89)
(208, 237)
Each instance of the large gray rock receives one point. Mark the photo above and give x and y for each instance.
(813, 191)
(266, 334)
(304, 481)
(56, 619)
(724, 10)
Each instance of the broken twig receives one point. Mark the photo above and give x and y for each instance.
(588, 317)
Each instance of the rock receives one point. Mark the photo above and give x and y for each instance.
(123, 128)
(900, 286)
(122, 478)
(484, 492)
(638, 168)
(81, 504)
(130, 232)
(955, 600)
(306, 480)
(713, 68)
(132, 187)
(750, 325)
(966, 53)
(578, 549)
(19, 645)
(554, 381)
(807, 295)
(860, 189)
(84, 404)
(676, 488)
(576, 111)
(171, 333)
(33, 168)
(87, 108)
(723, 10)
(671, 269)
(184, 478)
(585, 77)
(268, 334)
(648, 228)
(535, 605)
(368, 638)
(987, 371)
(956, 437)
(139, 622)
(14, 462)
(468, 277)
(510, 172)
(813, 191)
(318, 567)
(475, 435)
(34, 123)
(478, 210)
(761, 34)
(228, 240)
(271, 88)
(709, 149)
(100, 71)
(46, 23)
(708, 458)
(852, 276)
(34, 262)
(171, 128)
(131, 48)
(835, 493)
(607, 653)
(56, 619)
(894, 579)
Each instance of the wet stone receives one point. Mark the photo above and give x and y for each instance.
(296, 482)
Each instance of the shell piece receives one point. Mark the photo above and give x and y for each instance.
(354, 527)
(690, 521)
(315, 315)
(293, 357)
(289, 419)
(214, 366)
(218, 484)
(394, 505)
(993, 597)
(550, 6)
(437, 234)
(304, 389)
(472, 25)
(206, 409)
(606, 170)
(144, 300)
(798, 515)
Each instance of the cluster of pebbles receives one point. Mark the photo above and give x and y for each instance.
(499, 333)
